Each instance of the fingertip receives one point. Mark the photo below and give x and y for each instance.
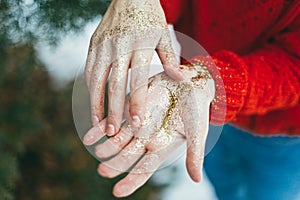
(195, 174)
(122, 189)
(110, 129)
(97, 107)
(116, 193)
(103, 170)
(119, 190)
(136, 113)
(113, 123)
(88, 139)
(194, 168)
(100, 170)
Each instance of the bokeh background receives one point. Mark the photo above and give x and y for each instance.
(41, 156)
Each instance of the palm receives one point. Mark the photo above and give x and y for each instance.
(175, 113)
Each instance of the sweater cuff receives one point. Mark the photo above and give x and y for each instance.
(231, 81)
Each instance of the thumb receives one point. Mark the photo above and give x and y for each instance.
(195, 116)
(167, 56)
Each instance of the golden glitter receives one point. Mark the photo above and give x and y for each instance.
(172, 104)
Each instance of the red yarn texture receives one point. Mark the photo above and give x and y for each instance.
(255, 45)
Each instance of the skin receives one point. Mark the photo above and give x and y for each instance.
(188, 101)
(128, 35)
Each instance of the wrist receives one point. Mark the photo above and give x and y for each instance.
(137, 3)
(197, 75)
(231, 81)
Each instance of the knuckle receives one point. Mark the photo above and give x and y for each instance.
(94, 38)
(96, 41)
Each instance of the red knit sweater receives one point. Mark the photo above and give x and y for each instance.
(255, 44)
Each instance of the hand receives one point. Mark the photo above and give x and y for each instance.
(128, 35)
(175, 112)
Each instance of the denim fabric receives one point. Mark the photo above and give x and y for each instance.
(242, 166)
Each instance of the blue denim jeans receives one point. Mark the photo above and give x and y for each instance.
(242, 166)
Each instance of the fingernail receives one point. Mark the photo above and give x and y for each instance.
(136, 121)
(110, 130)
(95, 120)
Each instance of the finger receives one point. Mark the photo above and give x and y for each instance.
(139, 177)
(168, 58)
(90, 61)
(122, 161)
(94, 48)
(95, 133)
(117, 93)
(143, 170)
(114, 144)
(98, 80)
(140, 65)
(195, 158)
(196, 129)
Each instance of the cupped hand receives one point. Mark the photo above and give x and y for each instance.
(174, 113)
(128, 35)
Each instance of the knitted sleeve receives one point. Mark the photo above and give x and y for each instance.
(264, 80)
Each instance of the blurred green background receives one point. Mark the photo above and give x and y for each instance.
(41, 156)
